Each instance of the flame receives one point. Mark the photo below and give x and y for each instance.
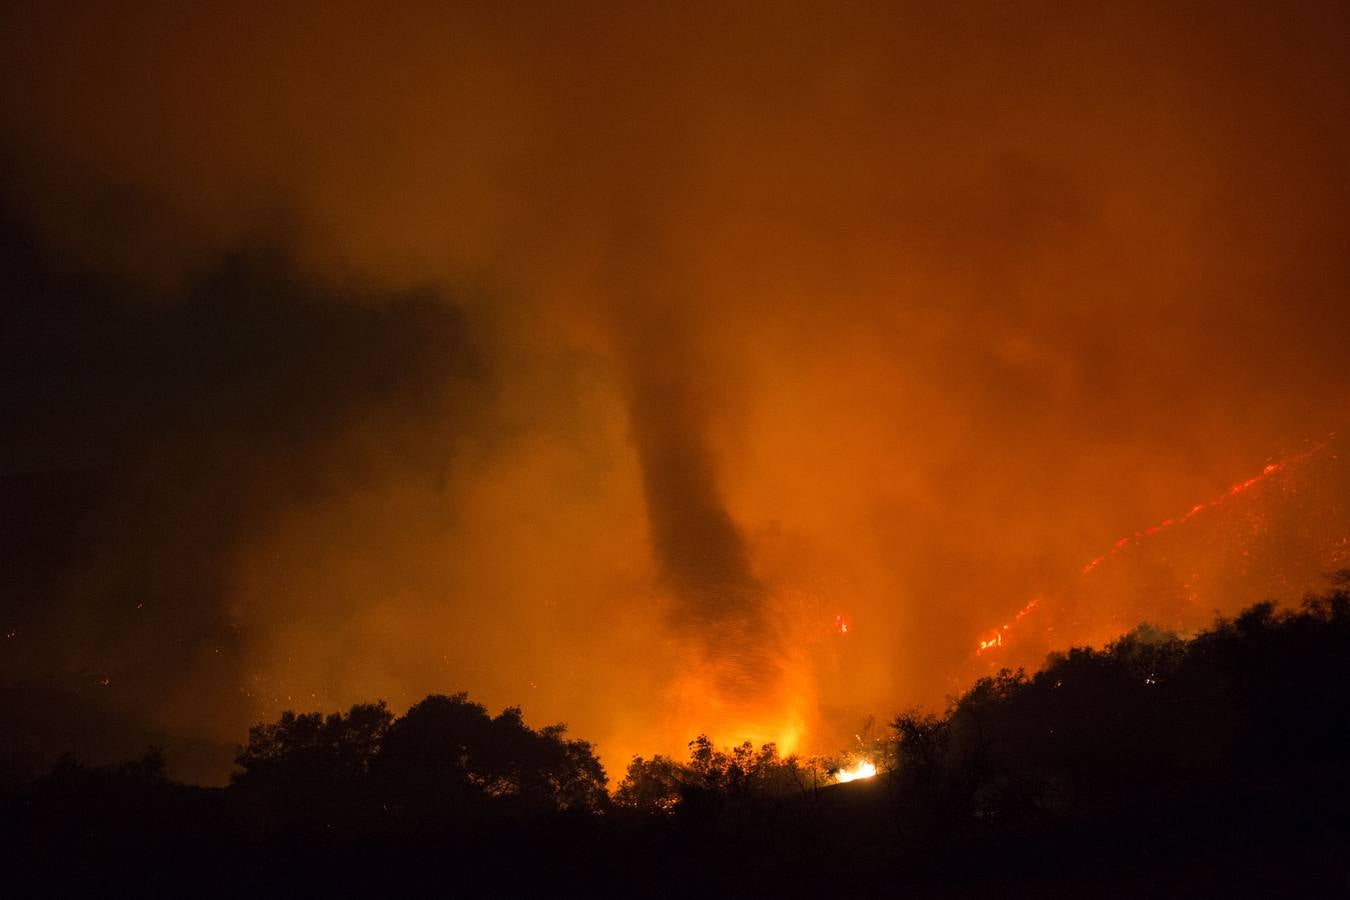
(708, 698)
(861, 769)
(996, 639)
(1240, 487)
(996, 636)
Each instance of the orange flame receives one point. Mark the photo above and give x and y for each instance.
(996, 636)
(863, 769)
(1233, 491)
(996, 639)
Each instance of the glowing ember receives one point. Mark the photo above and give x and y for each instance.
(863, 769)
(995, 638)
(1233, 491)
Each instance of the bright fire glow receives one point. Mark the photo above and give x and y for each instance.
(995, 638)
(1233, 491)
(863, 769)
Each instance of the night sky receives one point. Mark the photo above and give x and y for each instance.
(660, 369)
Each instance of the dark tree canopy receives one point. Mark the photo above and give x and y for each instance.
(713, 778)
(450, 746)
(313, 748)
(1152, 752)
(445, 756)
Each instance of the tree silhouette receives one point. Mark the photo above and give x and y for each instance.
(1232, 742)
(715, 780)
(447, 750)
(312, 750)
(652, 786)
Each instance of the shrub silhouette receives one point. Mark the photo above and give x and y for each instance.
(448, 750)
(1151, 715)
(446, 759)
(1222, 748)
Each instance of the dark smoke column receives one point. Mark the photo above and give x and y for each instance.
(719, 606)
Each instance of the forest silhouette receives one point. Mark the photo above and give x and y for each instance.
(1158, 764)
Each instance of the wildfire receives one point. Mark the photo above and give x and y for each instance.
(995, 638)
(1240, 487)
(861, 769)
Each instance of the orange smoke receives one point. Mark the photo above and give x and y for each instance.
(1227, 495)
(661, 372)
(996, 636)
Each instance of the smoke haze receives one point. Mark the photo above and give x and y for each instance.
(609, 360)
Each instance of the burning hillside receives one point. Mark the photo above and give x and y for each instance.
(1275, 535)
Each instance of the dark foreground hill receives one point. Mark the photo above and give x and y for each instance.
(1155, 767)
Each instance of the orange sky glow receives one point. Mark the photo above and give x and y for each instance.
(818, 360)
